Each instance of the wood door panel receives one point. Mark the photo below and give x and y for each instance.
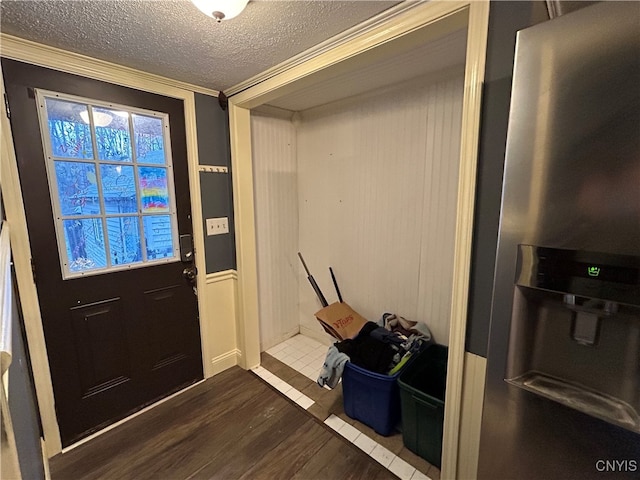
(104, 360)
(164, 316)
(170, 336)
(116, 341)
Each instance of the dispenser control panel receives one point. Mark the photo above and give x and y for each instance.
(591, 274)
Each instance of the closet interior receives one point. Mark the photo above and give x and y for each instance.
(365, 184)
(359, 172)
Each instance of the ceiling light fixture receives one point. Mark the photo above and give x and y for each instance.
(220, 9)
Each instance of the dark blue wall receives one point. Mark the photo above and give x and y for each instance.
(212, 125)
(22, 402)
(505, 19)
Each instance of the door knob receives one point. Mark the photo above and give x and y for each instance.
(190, 273)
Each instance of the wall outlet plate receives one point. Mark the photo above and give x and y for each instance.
(217, 226)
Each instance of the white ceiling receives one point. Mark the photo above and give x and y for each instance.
(174, 39)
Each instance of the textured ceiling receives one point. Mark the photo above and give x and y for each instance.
(174, 39)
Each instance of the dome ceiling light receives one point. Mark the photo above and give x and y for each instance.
(220, 9)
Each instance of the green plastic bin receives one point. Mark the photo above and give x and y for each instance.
(422, 386)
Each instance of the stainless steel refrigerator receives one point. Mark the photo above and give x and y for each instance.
(562, 396)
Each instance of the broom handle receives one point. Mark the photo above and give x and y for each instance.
(313, 283)
(335, 284)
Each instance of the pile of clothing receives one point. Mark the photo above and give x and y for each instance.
(382, 347)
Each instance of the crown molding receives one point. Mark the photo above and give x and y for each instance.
(16, 48)
(323, 47)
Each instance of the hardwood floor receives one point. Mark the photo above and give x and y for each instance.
(232, 426)
(330, 402)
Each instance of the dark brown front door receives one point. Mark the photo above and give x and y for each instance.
(107, 207)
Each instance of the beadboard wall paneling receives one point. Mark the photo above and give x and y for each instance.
(276, 213)
(377, 185)
(440, 205)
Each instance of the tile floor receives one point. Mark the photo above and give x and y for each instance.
(282, 367)
(301, 353)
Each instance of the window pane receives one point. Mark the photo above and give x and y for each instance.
(148, 133)
(153, 189)
(118, 189)
(112, 134)
(158, 236)
(69, 130)
(122, 196)
(77, 189)
(124, 240)
(84, 240)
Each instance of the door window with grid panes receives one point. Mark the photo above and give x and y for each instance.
(111, 183)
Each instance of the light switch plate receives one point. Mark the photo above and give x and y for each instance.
(217, 226)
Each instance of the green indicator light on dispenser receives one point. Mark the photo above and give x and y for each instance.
(593, 271)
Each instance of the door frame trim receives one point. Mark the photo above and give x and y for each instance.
(49, 57)
(284, 81)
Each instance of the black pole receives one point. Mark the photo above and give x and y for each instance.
(313, 283)
(335, 284)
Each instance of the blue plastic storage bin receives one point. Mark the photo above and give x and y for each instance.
(371, 398)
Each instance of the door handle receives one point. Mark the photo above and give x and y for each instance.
(190, 273)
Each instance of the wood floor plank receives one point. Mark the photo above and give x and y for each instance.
(343, 460)
(291, 454)
(328, 402)
(231, 426)
(255, 444)
(185, 454)
(168, 423)
(309, 453)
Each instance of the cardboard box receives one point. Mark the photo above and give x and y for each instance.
(340, 321)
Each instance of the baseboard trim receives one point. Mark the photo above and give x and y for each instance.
(225, 361)
(321, 337)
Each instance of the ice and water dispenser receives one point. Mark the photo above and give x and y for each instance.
(575, 331)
